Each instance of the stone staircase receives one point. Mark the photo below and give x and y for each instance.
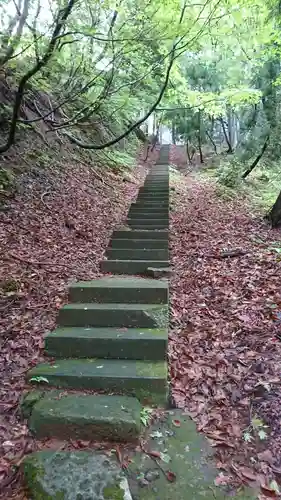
(108, 352)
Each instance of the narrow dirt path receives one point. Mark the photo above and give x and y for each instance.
(225, 360)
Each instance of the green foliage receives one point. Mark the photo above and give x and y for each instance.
(229, 173)
(145, 415)
(256, 429)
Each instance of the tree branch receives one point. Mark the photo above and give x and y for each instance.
(61, 19)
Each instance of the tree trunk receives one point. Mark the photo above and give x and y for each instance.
(230, 150)
(274, 215)
(187, 151)
(173, 132)
(199, 138)
(254, 164)
(212, 141)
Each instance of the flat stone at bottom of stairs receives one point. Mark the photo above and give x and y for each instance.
(85, 416)
(74, 475)
(144, 380)
(190, 459)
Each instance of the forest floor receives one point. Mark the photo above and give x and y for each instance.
(55, 230)
(225, 357)
(224, 352)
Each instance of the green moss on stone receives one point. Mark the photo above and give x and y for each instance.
(34, 475)
(113, 493)
(28, 401)
(156, 369)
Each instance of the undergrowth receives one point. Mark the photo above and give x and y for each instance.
(260, 188)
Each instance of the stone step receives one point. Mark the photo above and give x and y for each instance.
(137, 254)
(144, 225)
(140, 235)
(154, 205)
(141, 214)
(148, 221)
(85, 416)
(143, 379)
(108, 343)
(149, 210)
(120, 290)
(148, 198)
(153, 196)
(149, 244)
(114, 315)
(131, 266)
(154, 202)
(148, 189)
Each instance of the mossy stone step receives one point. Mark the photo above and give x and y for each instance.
(136, 209)
(157, 185)
(142, 214)
(114, 315)
(85, 416)
(136, 254)
(158, 191)
(153, 212)
(131, 266)
(128, 290)
(144, 380)
(136, 225)
(141, 243)
(109, 343)
(73, 475)
(140, 235)
(147, 216)
(149, 221)
(152, 203)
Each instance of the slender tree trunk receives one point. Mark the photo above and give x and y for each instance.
(230, 150)
(187, 151)
(274, 215)
(254, 164)
(199, 138)
(212, 141)
(200, 148)
(173, 132)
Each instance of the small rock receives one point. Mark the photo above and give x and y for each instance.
(159, 272)
(143, 483)
(152, 475)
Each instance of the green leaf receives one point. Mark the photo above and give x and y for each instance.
(39, 380)
(247, 437)
(274, 486)
(262, 434)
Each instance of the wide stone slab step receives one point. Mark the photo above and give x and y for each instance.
(156, 185)
(144, 380)
(148, 221)
(149, 189)
(146, 244)
(141, 227)
(109, 343)
(142, 214)
(120, 290)
(140, 235)
(73, 475)
(152, 203)
(137, 254)
(86, 417)
(135, 210)
(114, 315)
(131, 266)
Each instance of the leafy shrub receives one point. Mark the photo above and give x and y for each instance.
(230, 173)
